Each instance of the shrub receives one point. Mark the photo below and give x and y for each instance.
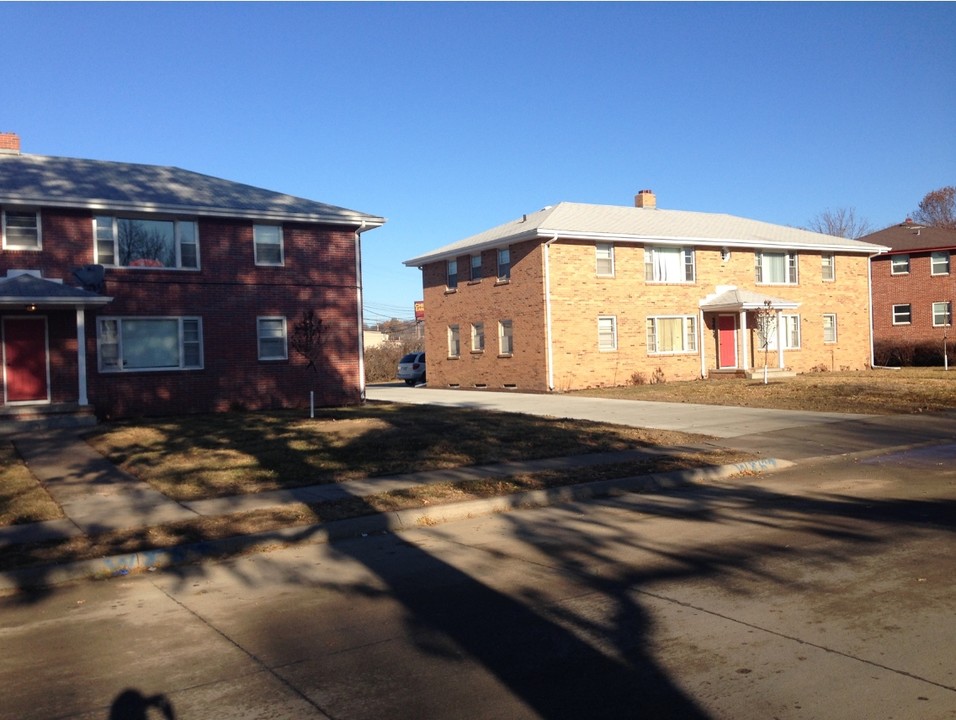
(912, 354)
(638, 378)
(381, 361)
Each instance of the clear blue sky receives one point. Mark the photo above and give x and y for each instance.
(448, 119)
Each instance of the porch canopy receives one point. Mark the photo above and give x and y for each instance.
(741, 301)
(27, 293)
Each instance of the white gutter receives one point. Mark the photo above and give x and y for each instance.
(361, 312)
(549, 355)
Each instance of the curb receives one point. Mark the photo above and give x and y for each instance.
(396, 521)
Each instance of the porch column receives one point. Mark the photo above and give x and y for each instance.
(81, 354)
(745, 354)
(780, 337)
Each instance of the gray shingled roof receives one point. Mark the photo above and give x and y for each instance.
(910, 236)
(102, 185)
(615, 223)
(28, 289)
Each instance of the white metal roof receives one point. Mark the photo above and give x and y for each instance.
(616, 223)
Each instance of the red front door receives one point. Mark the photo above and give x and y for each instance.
(726, 341)
(25, 360)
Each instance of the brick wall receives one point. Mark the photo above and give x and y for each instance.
(917, 288)
(579, 296)
(487, 301)
(228, 293)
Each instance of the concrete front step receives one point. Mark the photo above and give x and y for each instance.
(30, 418)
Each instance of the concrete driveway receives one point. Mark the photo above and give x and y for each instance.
(715, 420)
(786, 434)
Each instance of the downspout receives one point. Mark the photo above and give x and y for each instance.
(361, 312)
(549, 354)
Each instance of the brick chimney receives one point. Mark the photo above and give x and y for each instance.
(9, 143)
(645, 199)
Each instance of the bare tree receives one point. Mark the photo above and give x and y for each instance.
(938, 208)
(306, 338)
(841, 222)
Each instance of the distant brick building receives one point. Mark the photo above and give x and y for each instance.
(144, 290)
(914, 284)
(576, 296)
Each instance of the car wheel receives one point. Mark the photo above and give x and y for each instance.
(409, 382)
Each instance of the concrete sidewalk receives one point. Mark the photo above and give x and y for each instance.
(96, 496)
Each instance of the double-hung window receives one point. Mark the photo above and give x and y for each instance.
(669, 264)
(939, 263)
(505, 337)
(671, 335)
(477, 337)
(899, 264)
(829, 328)
(828, 263)
(942, 314)
(128, 344)
(902, 314)
(790, 324)
(146, 243)
(451, 274)
(20, 229)
(476, 267)
(776, 268)
(454, 341)
(607, 333)
(268, 243)
(504, 264)
(272, 338)
(604, 259)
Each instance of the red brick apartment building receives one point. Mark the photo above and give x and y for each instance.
(131, 290)
(914, 285)
(576, 296)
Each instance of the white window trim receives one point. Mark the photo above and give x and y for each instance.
(256, 243)
(785, 320)
(3, 229)
(943, 255)
(948, 313)
(893, 270)
(476, 335)
(688, 322)
(259, 338)
(828, 266)
(792, 267)
(688, 260)
(909, 314)
(613, 320)
(501, 335)
(177, 240)
(454, 331)
(119, 319)
(836, 330)
(607, 248)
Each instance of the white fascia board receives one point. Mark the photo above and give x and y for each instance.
(710, 242)
(370, 221)
(453, 253)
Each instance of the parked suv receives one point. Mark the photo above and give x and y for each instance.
(411, 368)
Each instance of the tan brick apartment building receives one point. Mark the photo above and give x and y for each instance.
(914, 284)
(578, 295)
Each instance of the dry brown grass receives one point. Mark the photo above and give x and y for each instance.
(22, 498)
(200, 457)
(905, 391)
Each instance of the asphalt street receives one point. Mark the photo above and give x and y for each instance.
(822, 591)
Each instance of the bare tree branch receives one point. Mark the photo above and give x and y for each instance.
(938, 208)
(841, 222)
